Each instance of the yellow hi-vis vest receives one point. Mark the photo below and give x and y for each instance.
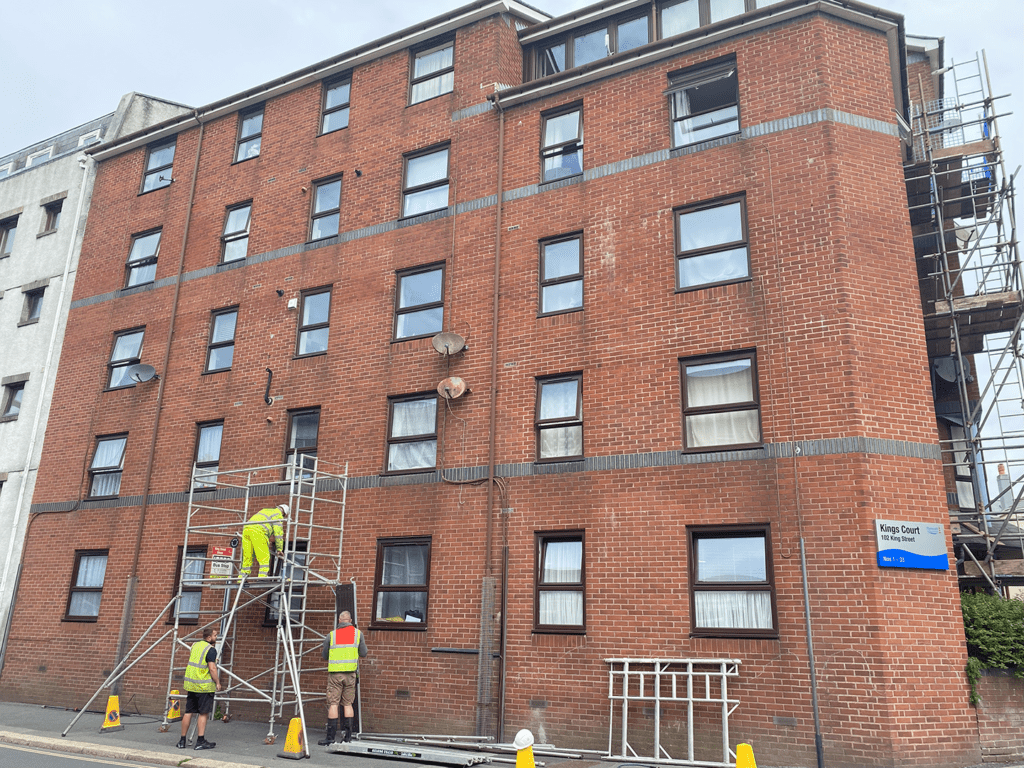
(271, 519)
(197, 674)
(344, 653)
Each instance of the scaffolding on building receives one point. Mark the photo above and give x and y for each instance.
(961, 202)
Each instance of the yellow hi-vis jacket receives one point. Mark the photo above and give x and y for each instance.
(271, 524)
(197, 674)
(344, 653)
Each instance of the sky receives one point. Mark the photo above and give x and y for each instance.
(76, 66)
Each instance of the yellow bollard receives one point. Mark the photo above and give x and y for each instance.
(294, 745)
(524, 749)
(112, 720)
(745, 756)
(174, 713)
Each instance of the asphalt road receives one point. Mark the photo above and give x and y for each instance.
(27, 757)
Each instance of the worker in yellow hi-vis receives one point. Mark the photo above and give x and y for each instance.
(256, 539)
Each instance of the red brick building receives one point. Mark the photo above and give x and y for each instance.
(690, 368)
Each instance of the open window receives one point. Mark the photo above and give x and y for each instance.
(107, 465)
(705, 103)
(141, 266)
(250, 134)
(562, 145)
(559, 417)
(159, 166)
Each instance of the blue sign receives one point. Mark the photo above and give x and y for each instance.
(903, 544)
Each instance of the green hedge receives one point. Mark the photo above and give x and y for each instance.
(995, 635)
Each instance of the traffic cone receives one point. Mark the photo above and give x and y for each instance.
(524, 749)
(745, 756)
(174, 713)
(294, 744)
(112, 720)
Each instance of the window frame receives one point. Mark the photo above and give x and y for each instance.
(206, 485)
(13, 397)
(156, 172)
(8, 232)
(544, 283)
(425, 50)
(733, 407)
(111, 469)
(243, 141)
(302, 328)
(195, 552)
(32, 310)
(541, 540)
(51, 217)
(731, 531)
(290, 450)
(131, 266)
(550, 151)
(73, 587)
(90, 138)
(212, 345)
(315, 215)
(402, 274)
(227, 239)
(123, 363)
(445, 182)
(424, 437)
(295, 547)
(43, 154)
(380, 589)
(540, 425)
(6, 170)
(326, 112)
(716, 248)
(610, 25)
(696, 77)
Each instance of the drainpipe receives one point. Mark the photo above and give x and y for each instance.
(85, 163)
(133, 577)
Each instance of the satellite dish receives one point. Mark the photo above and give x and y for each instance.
(948, 369)
(448, 343)
(452, 388)
(141, 372)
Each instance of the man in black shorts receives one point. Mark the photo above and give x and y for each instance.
(201, 681)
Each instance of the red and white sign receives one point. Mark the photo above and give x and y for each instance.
(221, 559)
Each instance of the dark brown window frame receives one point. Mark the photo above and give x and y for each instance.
(446, 181)
(577, 420)
(418, 438)
(541, 540)
(303, 297)
(330, 85)
(610, 25)
(694, 532)
(123, 362)
(681, 255)
(411, 271)
(430, 47)
(157, 171)
(315, 215)
(145, 261)
(200, 426)
(10, 393)
(378, 588)
(289, 451)
(563, 148)
(745, 405)
(195, 551)
(72, 588)
(242, 140)
(235, 236)
(212, 345)
(543, 283)
(107, 469)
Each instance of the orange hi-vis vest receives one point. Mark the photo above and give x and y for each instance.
(344, 653)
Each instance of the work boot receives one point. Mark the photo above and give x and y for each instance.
(347, 736)
(202, 743)
(332, 730)
(182, 743)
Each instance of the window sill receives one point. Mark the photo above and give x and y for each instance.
(224, 266)
(413, 218)
(101, 498)
(706, 286)
(407, 472)
(544, 631)
(309, 355)
(8, 418)
(415, 338)
(215, 370)
(117, 389)
(720, 448)
(245, 160)
(137, 288)
(81, 619)
(154, 189)
(559, 312)
(739, 635)
(432, 98)
(28, 322)
(561, 460)
(328, 133)
(400, 626)
(576, 178)
(47, 232)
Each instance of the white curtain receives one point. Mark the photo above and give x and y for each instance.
(91, 572)
(563, 564)
(403, 565)
(720, 384)
(734, 610)
(413, 417)
(209, 444)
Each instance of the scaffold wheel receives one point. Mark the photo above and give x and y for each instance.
(226, 719)
(270, 739)
(164, 728)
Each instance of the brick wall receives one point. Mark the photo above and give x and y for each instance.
(1000, 716)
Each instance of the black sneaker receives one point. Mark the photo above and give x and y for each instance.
(204, 744)
(182, 743)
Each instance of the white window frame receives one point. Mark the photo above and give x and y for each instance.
(43, 153)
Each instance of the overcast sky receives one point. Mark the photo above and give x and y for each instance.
(73, 63)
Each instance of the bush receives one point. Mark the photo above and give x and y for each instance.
(995, 635)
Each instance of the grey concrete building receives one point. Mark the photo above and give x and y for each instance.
(45, 191)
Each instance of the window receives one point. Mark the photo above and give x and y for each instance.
(39, 157)
(562, 151)
(412, 433)
(127, 351)
(962, 468)
(191, 578)
(107, 463)
(33, 306)
(207, 455)
(561, 275)
(51, 216)
(294, 568)
(337, 94)
(250, 134)
(303, 428)
(560, 418)
(420, 302)
(705, 104)
(236, 233)
(13, 393)
(433, 73)
(400, 584)
(689, 14)
(159, 163)
(86, 585)
(8, 228)
(87, 139)
(732, 590)
(720, 402)
(314, 322)
(220, 352)
(558, 599)
(6, 170)
(141, 266)
(711, 244)
(326, 209)
(592, 43)
(426, 183)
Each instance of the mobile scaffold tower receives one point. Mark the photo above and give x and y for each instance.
(961, 204)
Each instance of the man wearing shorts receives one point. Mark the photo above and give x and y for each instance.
(342, 650)
(201, 681)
